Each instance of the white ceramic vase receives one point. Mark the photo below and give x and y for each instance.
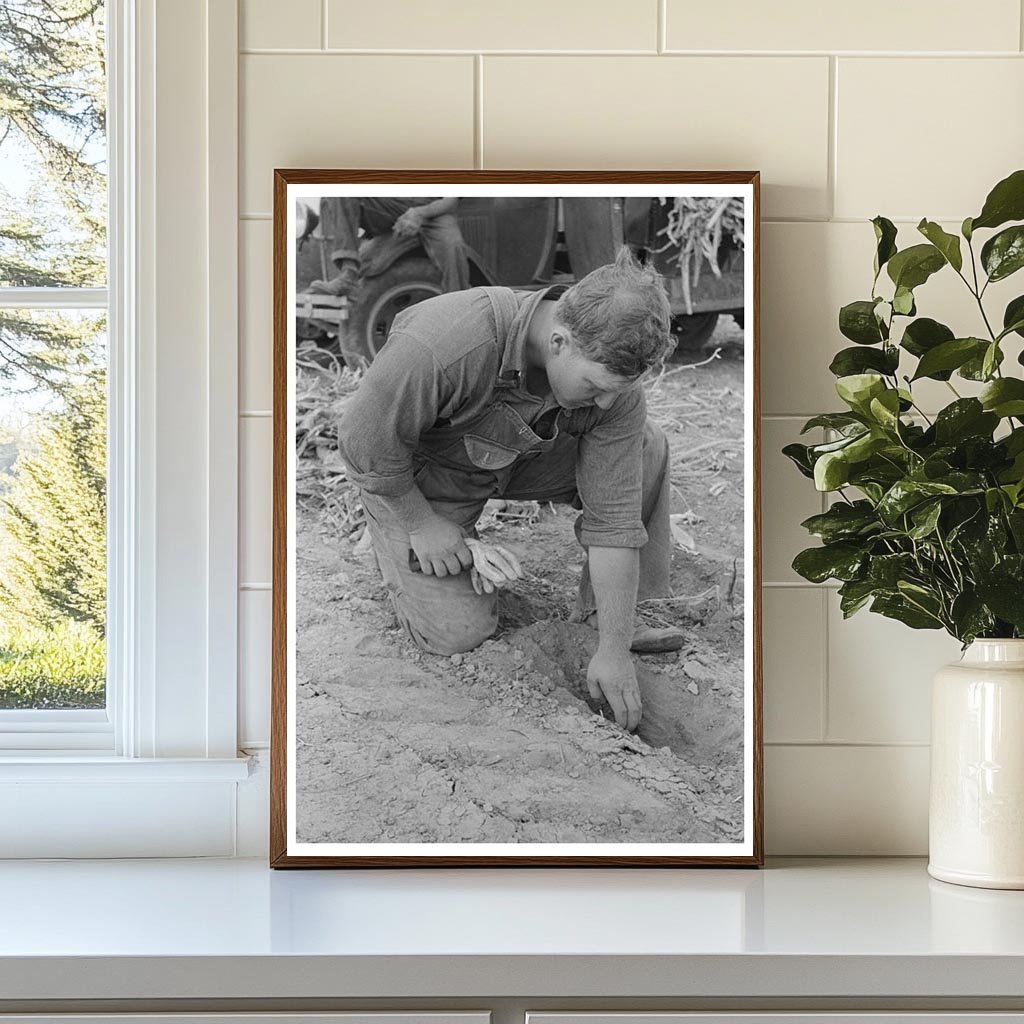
(976, 813)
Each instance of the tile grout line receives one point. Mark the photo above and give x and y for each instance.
(851, 744)
(298, 51)
(662, 41)
(1020, 24)
(323, 24)
(831, 171)
(478, 111)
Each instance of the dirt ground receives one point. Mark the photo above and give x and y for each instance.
(504, 744)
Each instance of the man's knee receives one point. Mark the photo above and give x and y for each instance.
(453, 629)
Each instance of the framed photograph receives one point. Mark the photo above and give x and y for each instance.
(516, 587)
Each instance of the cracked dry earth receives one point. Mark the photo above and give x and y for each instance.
(504, 745)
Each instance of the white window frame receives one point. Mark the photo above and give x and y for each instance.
(157, 773)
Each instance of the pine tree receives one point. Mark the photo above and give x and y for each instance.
(53, 521)
(52, 115)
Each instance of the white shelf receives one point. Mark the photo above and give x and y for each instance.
(233, 929)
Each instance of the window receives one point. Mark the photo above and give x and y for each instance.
(53, 369)
(155, 770)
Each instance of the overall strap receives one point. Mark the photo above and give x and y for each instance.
(503, 302)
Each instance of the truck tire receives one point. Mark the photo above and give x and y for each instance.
(380, 299)
(691, 332)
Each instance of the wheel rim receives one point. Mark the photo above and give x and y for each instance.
(389, 304)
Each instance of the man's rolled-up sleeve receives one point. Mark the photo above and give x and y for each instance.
(609, 476)
(394, 403)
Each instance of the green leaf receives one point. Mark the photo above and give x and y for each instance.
(1003, 254)
(854, 594)
(1005, 202)
(971, 617)
(906, 494)
(885, 236)
(1004, 397)
(947, 244)
(925, 334)
(840, 561)
(966, 417)
(989, 360)
(903, 302)
(950, 355)
(857, 321)
(1004, 594)
(885, 409)
(843, 521)
(974, 368)
(799, 455)
(899, 608)
(849, 361)
(858, 389)
(1013, 317)
(913, 266)
(831, 471)
(925, 518)
(834, 420)
(887, 570)
(965, 229)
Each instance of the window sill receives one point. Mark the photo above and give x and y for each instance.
(75, 766)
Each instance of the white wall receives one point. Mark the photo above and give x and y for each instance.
(905, 109)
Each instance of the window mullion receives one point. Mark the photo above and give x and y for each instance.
(53, 298)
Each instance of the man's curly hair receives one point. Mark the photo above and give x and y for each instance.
(618, 315)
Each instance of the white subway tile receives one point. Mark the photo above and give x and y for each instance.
(471, 25)
(270, 24)
(679, 113)
(912, 25)
(351, 111)
(255, 319)
(879, 677)
(787, 498)
(255, 505)
(926, 137)
(254, 619)
(846, 801)
(793, 631)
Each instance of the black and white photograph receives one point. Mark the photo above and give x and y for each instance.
(516, 563)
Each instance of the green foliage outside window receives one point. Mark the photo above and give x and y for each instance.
(52, 366)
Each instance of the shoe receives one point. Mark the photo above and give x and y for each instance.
(344, 284)
(648, 639)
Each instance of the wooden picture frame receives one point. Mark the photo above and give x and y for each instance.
(379, 752)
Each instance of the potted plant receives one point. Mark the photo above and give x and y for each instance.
(927, 521)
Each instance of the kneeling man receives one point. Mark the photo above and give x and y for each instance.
(524, 395)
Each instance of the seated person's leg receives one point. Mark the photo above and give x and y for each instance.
(444, 244)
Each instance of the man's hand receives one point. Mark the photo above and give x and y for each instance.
(410, 222)
(440, 548)
(611, 673)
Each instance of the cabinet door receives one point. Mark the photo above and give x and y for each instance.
(785, 1017)
(362, 1017)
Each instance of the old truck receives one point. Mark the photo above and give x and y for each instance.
(520, 242)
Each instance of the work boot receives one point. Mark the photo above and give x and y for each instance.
(648, 639)
(344, 283)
